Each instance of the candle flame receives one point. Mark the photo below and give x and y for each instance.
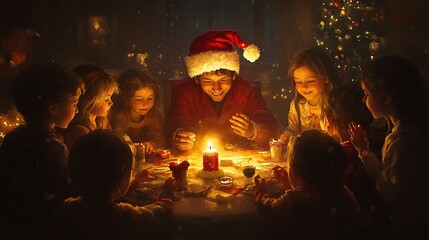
(210, 148)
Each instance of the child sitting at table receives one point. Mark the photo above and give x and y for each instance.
(318, 206)
(34, 171)
(94, 105)
(136, 113)
(402, 173)
(100, 167)
(345, 106)
(313, 74)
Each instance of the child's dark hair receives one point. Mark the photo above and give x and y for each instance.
(132, 80)
(42, 84)
(346, 106)
(99, 161)
(317, 159)
(402, 80)
(85, 69)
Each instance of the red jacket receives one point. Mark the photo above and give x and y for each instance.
(192, 110)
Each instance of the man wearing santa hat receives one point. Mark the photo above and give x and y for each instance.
(214, 99)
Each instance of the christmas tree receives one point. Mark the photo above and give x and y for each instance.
(352, 32)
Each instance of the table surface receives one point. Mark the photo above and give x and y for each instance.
(219, 201)
(220, 211)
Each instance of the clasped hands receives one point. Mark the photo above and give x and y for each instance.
(240, 123)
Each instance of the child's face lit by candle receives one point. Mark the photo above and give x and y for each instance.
(63, 113)
(142, 101)
(102, 106)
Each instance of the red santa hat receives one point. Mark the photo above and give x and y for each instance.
(213, 50)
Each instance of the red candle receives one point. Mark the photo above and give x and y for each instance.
(210, 159)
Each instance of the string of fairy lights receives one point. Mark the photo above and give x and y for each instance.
(8, 123)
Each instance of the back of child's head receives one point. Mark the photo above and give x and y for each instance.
(317, 159)
(346, 106)
(43, 84)
(99, 162)
(135, 79)
(85, 69)
(99, 83)
(318, 61)
(401, 79)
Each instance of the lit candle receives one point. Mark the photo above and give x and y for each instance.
(210, 159)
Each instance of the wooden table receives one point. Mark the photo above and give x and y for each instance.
(220, 211)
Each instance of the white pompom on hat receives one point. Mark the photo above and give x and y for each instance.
(213, 50)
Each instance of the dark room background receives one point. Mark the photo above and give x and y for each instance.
(157, 33)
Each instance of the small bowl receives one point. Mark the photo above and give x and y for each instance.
(226, 181)
(230, 146)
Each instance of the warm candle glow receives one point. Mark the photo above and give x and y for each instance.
(210, 158)
(210, 148)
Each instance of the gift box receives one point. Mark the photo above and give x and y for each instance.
(166, 153)
(179, 172)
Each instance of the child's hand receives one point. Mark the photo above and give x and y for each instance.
(327, 125)
(184, 140)
(141, 176)
(137, 178)
(242, 126)
(282, 176)
(171, 185)
(358, 138)
(259, 182)
(284, 138)
(280, 173)
(149, 148)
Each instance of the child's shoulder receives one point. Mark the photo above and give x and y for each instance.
(15, 139)
(24, 135)
(18, 132)
(79, 130)
(118, 114)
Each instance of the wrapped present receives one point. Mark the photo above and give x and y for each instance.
(166, 153)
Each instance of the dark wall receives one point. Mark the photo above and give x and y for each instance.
(164, 30)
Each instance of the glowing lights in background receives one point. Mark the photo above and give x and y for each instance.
(9, 122)
(351, 31)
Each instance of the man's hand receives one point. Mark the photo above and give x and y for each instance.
(242, 125)
(184, 140)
